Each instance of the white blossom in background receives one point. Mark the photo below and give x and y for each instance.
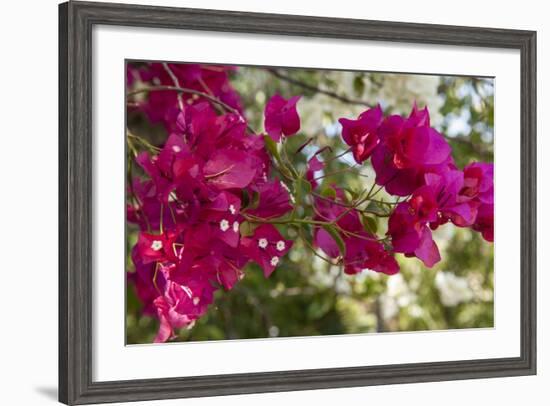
(388, 306)
(452, 289)
(398, 91)
(398, 288)
(475, 280)
(316, 112)
(416, 311)
(319, 275)
(398, 294)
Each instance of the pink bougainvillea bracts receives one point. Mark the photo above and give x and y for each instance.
(408, 149)
(216, 196)
(281, 117)
(362, 134)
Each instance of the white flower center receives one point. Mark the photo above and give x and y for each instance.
(224, 225)
(156, 245)
(236, 226)
(281, 245)
(262, 243)
(274, 261)
(232, 209)
(196, 300)
(176, 148)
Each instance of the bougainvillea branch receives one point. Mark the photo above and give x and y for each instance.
(180, 90)
(316, 89)
(217, 195)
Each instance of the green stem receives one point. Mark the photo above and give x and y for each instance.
(288, 164)
(383, 202)
(312, 248)
(176, 83)
(337, 156)
(133, 197)
(143, 142)
(161, 217)
(259, 220)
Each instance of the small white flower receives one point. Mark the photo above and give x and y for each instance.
(196, 300)
(156, 245)
(176, 148)
(236, 226)
(262, 243)
(281, 245)
(274, 261)
(232, 209)
(224, 225)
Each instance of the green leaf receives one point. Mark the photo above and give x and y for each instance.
(336, 237)
(358, 85)
(272, 148)
(247, 229)
(255, 201)
(380, 207)
(245, 198)
(302, 188)
(369, 223)
(319, 307)
(328, 192)
(351, 194)
(274, 151)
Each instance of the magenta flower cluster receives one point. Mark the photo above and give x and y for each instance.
(215, 190)
(411, 159)
(192, 203)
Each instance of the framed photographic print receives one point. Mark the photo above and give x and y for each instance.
(261, 202)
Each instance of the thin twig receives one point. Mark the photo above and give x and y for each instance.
(313, 250)
(337, 156)
(316, 89)
(212, 99)
(143, 142)
(346, 169)
(176, 83)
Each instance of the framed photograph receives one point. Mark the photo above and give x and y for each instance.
(260, 202)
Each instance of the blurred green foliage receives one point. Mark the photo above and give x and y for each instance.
(306, 296)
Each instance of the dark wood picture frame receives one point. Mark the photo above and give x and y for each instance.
(76, 20)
